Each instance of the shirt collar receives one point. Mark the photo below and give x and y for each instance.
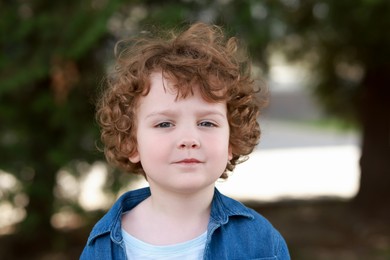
(222, 208)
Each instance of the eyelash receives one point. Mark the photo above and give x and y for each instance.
(169, 124)
(163, 125)
(207, 124)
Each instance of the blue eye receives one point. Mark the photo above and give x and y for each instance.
(207, 124)
(164, 125)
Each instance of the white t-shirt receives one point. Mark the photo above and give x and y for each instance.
(189, 250)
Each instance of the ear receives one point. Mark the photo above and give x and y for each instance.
(135, 158)
(230, 153)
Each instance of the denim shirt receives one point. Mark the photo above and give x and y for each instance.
(234, 232)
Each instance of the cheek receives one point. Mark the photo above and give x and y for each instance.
(152, 147)
(220, 145)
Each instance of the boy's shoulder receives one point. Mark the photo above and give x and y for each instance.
(253, 236)
(225, 208)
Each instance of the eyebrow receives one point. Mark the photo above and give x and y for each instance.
(200, 112)
(160, 113)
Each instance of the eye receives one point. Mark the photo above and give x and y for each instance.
(164, 125)
(207, 124)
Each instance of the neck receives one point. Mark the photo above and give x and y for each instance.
(182, 207)
(168, 217)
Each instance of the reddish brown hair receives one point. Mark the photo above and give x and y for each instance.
(201, 57)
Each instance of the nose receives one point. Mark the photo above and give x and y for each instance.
(189, 143)
(187, 136)
(188, 139)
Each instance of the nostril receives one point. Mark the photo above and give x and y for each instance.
(193, 144)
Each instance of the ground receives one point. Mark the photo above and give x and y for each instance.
(330, 230)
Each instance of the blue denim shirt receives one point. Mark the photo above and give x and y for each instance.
(234, 232)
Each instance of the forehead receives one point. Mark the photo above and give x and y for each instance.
(165, 83)
(164, 94)
(159, 82)
(211, 89)
(163, 89)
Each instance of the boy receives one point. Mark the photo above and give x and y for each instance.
(182, 112)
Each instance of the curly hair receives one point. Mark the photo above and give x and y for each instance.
(200, 56)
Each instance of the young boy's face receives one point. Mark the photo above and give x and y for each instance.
(183, 144)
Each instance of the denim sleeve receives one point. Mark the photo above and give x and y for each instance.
(86, 254)
(103, 248)
(282, 252)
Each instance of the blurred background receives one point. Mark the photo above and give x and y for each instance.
(321, 173)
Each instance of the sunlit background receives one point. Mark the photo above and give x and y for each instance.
(315, 55)
(296, 159)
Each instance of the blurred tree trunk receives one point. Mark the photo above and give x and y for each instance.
(50, 66)
(374, 190)
(36, 227)
(44, 142)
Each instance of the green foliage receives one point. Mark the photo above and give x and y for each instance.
(342, 40)
(51, 65)
(339, 39)
(49, 72)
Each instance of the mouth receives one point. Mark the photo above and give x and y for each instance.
(188, 161)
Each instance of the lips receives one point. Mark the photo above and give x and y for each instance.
(188, 161)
